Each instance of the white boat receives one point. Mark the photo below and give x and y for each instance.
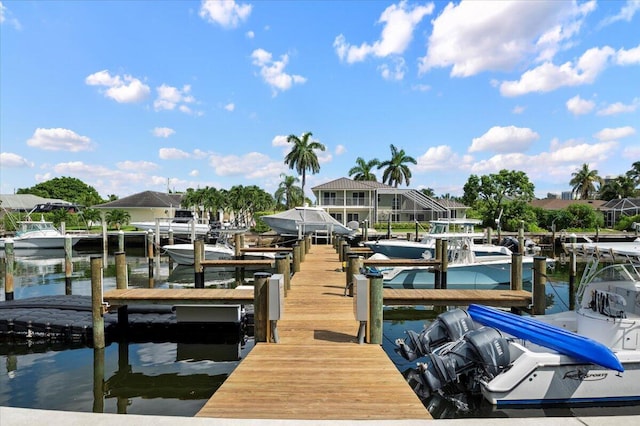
(305, 221)
(183, 223)
(39, 235)
(587, 356)
(182, 254)
(446, 229)
(465, 270)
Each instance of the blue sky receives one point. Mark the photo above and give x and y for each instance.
(148, 95)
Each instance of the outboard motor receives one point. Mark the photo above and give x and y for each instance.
(448, 326)
(511, 243)
(483, 351)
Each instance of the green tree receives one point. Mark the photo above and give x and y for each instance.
(302, 156)
(583, 182)
(288, 193)
(489, 194)
(363, 169)
(91, 216)
(622, 186)
(396, 171)
(429, 192)
(117, 218)
(65, 188)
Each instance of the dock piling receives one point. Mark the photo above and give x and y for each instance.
(68, 264)
(8, 269)
(260, 306)
(539, 281)
(375, 308)
(96, 303)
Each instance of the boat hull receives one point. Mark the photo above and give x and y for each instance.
(54, 242)
(551, 378)
(177, 228)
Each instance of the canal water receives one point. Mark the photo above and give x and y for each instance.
(176, 379)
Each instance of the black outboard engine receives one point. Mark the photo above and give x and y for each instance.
(483, 352)
(511, 243)
(448, 326)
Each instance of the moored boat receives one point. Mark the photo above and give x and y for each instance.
(305, 221)
(590, 355)
(39, 235)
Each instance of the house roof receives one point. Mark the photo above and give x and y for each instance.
(144, 199)
(26, 202)
(623, 204)
(558, 204)
(350, 184)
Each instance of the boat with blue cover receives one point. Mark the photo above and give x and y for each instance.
(587, 356)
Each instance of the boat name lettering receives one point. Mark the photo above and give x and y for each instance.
(581, 375)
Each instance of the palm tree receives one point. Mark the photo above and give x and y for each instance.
(621, 187)
(288, 193)
(583, 182)
(634, 173)
(302, 156)
(396, 170)
(362, 169)
(117, 218)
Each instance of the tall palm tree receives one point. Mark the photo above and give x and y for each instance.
(634, 173)
(302, 156)
(583, 182)
(288, 193)
(622, 186)
(362, 169)
(396, 171)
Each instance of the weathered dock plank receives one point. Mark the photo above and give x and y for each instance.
(183, 296)
(446, 297)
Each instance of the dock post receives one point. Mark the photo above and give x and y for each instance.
(375, 308)
(296, 258)
(121, 240)
(198, 254)
(438, 253)
(352, 268)
(572, 280)
(489, 236)
(444, 264)
(260, 305)
(96, 303)
(68, 264)
(282, 267)
(121, 270)
(521, 237)
(98, 380)
(105, 239)
(539, 281)
(8, 269)
(303, 249)
(150, 253)
(516, 271)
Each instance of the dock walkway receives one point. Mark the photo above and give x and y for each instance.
(317, 371)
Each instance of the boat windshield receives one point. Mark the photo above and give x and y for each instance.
(26, 227)
(618, 272)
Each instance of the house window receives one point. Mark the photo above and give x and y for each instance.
(329, 198)
(357, 198)
(337, 216)
(352, 217)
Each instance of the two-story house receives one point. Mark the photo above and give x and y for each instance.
(353, 200)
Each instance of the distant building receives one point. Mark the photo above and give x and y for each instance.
(567, 195)
(145, 206)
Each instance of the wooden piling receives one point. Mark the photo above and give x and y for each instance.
(121, 270)
(282, 267)
(98, 380)
(68, 264)
(105, 239)
(303, 250)
(375, 308)
(198, 257)
(121, 240)
(521, 247)
(516, 271)
(8, 269)
(260, 306)
(437, 274)
(96, 303)
(444, 264)
(296, 258)
(352, 264)
(539, 281)
(572, 280)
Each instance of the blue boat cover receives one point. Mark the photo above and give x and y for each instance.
(563, 341)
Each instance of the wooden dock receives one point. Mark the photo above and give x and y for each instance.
(318, 371)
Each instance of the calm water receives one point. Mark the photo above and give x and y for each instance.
(175, 378)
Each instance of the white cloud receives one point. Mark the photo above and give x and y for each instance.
(609, 134)
(230, 106)
(393, 71)
(399, 21)
(340, 149)
(475, 36)
(58, 139)
(226, 13)
(9, 159)
(272, 72)
(173, 154)
(439, 157)
(163, 132)
(421, 87)
(170, 97)
(518, 109)
(5, 16)
(137, 165)
(251, 165)
(628, 57)
(579, 106)
(125, 89)
(632, 152)
(619, 108)
(548, 77)
(250, 35)
(280, 140)
(626, 13)
(194, 173)
(504, 139)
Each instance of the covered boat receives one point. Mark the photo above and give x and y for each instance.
(305, 221)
